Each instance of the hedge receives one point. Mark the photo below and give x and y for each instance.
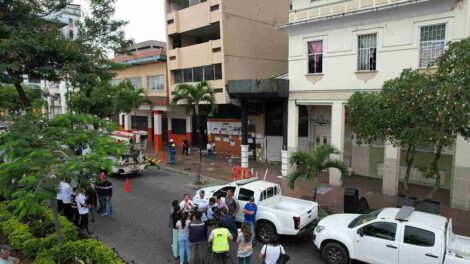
(85, 251)
(20, 237)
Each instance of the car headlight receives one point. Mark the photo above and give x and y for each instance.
(319, 228)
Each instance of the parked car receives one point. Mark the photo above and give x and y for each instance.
(277, 214)
(391, 236)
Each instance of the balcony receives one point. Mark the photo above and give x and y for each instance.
(207, 53)
(333, 8)
(193, 17)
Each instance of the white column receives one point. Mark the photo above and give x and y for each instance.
(337, 139)
(292, 132)
(284, 162)
(62, 91)
(127, 121)
(460, 189)
(391, 174)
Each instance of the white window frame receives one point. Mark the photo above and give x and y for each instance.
(156, 82)
(437, 46)
(315, 54)
(365, 53)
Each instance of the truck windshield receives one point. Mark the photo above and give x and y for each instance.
(362, 219)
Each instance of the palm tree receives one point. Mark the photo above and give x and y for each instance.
(193, 96)
(309, 165)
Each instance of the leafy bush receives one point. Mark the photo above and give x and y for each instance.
(76, 252)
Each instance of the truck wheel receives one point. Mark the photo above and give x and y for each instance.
(334, 253)
(265, 231)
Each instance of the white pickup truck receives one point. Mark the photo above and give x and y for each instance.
(276, 215)
(391, 236)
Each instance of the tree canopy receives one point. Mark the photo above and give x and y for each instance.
(31, 44)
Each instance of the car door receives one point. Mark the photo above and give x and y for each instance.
(420, 246)
(377, 243)
(243, 197)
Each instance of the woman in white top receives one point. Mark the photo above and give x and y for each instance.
(271, 252)
(183, 237)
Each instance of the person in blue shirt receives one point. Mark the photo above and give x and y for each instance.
(172, 149)
(249, 212)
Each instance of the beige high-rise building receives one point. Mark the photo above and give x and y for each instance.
(223, 40)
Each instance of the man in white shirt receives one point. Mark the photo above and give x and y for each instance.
(66, 191)
(5, 257)
(202, 204)
(83, 211)
(186, 205)
(60, 203)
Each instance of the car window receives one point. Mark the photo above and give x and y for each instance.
(382, 230)
(362, 219)
(269, 192)
(245, 194)
(418, 237)
(223, 192)
(263, 195)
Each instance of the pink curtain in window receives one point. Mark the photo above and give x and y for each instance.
(315, 47)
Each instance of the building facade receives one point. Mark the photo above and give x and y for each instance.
(219, 41)
(339, 47)
(145, 67)
(55, 91)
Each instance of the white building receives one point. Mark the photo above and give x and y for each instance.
(338, 47)
(56, 102)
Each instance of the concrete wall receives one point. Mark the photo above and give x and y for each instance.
(144, 71)
(253, 47)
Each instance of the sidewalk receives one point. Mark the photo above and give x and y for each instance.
(220, 168)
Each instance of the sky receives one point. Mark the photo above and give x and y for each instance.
(146, 19)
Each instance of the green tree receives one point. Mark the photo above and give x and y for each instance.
(193, 96)
(394, 115)
(106, 100)
(308, 165)
(39, 153)
(447, 104)
(31, 44)
(11, 103)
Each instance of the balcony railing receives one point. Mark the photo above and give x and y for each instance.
(344, 8)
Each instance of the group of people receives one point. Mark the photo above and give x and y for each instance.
(78, 202)
(207, 225)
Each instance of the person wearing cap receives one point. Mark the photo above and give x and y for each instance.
(172, 149)
(249, 212)
(5, 257)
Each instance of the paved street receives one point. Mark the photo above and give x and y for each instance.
(140, 232)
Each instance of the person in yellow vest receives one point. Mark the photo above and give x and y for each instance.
(219, 238)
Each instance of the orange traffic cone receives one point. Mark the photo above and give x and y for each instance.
(163, 156)
(127, 186)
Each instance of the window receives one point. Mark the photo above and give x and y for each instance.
(244, 194)
(170, 21)
(156, 82)
(418, 237)
(136, 82)
(367, 52)
(71, 34)
(315, 56)
(188, 75)
(198, 74)
(382, 230)
(178, 126)
(218, 72)
(178, 76)
(214, 8)
(209, 73)
(432, 42)
(71, 22)
(268, 193)
(223, 192)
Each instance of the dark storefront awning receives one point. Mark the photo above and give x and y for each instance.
(264, 88)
